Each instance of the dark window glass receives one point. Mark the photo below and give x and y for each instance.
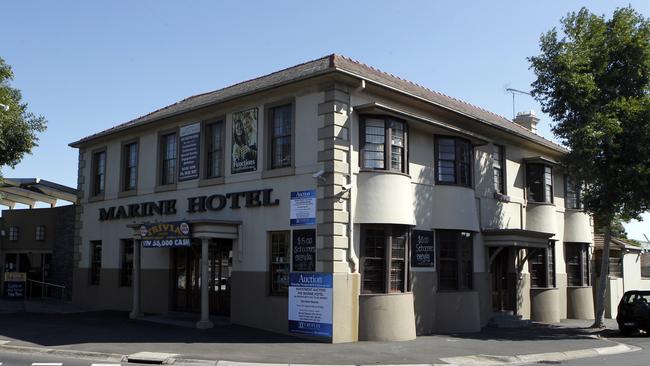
(280, 262)
(214, 150)
(13, 233)
(577, 263)
(99, 177)
(453, 161)
(168, 159)
(541, 265)
(126, 269)
(281, 119)
(95, 261)
(498, 164)
(130, 166)
(455, 260)
(40, 232)
(539, 183)
(384, 253)
(572, 194)
(384, 144)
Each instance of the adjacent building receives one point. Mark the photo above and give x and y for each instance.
(431, 214)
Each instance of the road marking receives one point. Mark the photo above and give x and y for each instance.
(101, 364)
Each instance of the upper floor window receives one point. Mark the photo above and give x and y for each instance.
(214, 150)
(281, 125)
(455, 260)
(168, 159)
(384, 254)
(453, 161)
(498, 168)
(541, 265)
(13, 233)
(130, 162)
(40, 232)
(572, 194)
(99, 172)
(384, 144)
(539, 183)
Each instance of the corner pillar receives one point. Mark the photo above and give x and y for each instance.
(205, 322)
(135, 311)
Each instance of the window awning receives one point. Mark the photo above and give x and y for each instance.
(377, 107)
(518, 238)
(29, 191)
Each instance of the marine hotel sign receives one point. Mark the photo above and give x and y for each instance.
(215, 202)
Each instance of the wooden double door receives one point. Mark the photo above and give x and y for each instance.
(503, 279)
(187, 277)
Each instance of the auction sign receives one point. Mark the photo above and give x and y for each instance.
(165, 235)
(310, 304)
(190, 137)
(303, 208)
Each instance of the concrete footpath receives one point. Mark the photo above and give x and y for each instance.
(111, 335)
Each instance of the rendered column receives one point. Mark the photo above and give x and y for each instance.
(205, 322)
(136, 313)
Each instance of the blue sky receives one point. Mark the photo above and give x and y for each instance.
(89, 65)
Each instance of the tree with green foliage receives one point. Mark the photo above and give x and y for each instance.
(593, 79)
(18, 126)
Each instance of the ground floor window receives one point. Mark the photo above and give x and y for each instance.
(541, 265)
(95, 261)
(384, 253)
(577, 263)
(455, 260)
(279, 265)
(126, 263)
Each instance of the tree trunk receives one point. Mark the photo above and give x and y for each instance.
(604, 277)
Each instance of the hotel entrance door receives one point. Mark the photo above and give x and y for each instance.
(187, 277)
(503, 285)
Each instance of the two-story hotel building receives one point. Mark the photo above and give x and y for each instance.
(432, 215)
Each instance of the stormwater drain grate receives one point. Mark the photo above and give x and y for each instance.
(152, 358)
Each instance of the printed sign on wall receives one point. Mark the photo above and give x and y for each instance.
(303, 208)
(14, 285)
(190, 141)
(165, 235)
(310, 304)
(244, 141)
(422, 249)
(304, 250)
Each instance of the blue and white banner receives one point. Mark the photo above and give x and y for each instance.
(303, 208)
(310, 304)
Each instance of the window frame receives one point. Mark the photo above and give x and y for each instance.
(528, 191)
(40, 233)
(14, 233)
(286, 262)
(457, 161)
(161, 185)
(502, 169)
(577, 190)
(94, 277)
(126, 272)
(206, 178)
(388, 143)
(95, 194)
(269, 170)
(549, 266)
(124, 166)
(584, 263)
(388, 257)
(459, 260)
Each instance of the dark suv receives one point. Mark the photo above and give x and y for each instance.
(634, 312)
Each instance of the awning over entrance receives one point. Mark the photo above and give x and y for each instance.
(28, 191)
(517, 238)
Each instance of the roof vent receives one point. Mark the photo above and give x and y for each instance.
(527, 120)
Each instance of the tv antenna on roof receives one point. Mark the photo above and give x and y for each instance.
(515, 92)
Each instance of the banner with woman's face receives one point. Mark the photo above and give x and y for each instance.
(244, 141)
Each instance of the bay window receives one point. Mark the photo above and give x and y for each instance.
(577, 263)
(384, 258)
(455, 260)
(539, 183)
(541, 265)
(572, 194)
(453, 161)
(384, 142)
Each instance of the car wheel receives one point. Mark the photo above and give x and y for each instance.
(626, 331)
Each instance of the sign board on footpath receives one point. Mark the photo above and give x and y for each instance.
(310, 304)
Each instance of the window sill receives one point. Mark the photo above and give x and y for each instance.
(584, 286)
(543, 288)
(278, 172)
(539, 203)
(211, 181)
(382, 171)
(97, 198)
(129, 193)
(165, 188)
(385, 294)
(454, 185)
(574, 210)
